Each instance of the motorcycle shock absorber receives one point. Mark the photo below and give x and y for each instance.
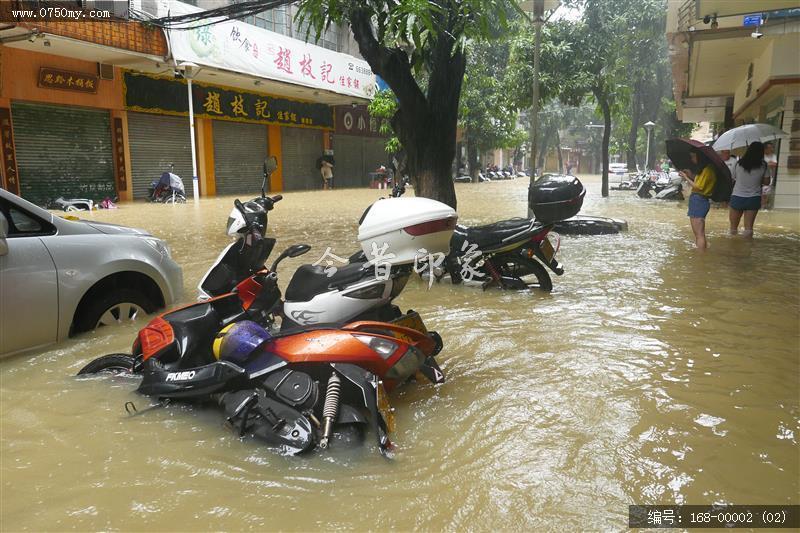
(495, 276)
(492, 270)
(331, 408)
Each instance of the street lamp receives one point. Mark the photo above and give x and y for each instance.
(189, 71)
(537, 9)
(649, 127)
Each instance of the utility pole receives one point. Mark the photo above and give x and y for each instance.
(189, 71)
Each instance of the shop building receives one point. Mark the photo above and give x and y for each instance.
(62, 119)
(96, 109)
(735, 63)
(358, 146)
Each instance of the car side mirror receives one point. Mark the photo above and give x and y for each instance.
(3, 234)
(292, 251)
(270, 165)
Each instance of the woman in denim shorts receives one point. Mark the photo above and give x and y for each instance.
(751, 173)
(702, 178)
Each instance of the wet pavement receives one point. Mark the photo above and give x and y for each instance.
(651, 374)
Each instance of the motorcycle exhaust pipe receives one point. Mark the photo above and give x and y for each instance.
(331, 408)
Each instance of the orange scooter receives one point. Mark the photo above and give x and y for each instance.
(297, 389)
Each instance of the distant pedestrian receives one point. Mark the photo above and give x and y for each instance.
(569, 168)
(772, 164)
(326, 169)
(729, 160)
(702, 178)
(751, 173)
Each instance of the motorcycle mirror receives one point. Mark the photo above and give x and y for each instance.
(292, 251)
(297, 250)
(270, 166)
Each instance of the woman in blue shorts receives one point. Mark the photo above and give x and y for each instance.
(750, 173)
(702, 178)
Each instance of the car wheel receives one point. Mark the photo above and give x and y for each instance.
(120, 306)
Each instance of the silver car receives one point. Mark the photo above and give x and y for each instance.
(60, 277)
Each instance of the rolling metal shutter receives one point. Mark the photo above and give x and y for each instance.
(375, 154)
(156, 141)
(239, 152)
(301, 148)
(349, 171)
(63, 151)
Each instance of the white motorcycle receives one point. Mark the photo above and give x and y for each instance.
(392, 232)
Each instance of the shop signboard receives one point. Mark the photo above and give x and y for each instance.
(235, 46)
(9, 155)
(51, 78)
(153, 94)
(356, 120)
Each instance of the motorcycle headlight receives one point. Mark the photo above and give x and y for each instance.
(383, 347)
(159, 246)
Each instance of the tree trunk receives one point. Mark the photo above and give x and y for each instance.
(544, 145)
(425, 124)
(602, 100)
(560, 156)
(636, 114)
(472, 159)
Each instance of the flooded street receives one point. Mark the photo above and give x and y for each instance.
(651, 374)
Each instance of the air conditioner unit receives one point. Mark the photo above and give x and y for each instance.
(105, 71)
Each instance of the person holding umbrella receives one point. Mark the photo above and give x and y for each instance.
(702, 178)
(709, 177)
(751, 174)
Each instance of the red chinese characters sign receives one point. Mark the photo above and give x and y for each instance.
(51, 78)
(118, 146)
(10, 174)
(238, 47)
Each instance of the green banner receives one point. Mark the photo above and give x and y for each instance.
(161, 95)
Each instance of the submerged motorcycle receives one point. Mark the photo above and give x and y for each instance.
(271, 384)
(293, 390)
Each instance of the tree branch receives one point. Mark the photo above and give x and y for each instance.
(391, 64)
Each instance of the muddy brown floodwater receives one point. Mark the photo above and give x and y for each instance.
(651, 374)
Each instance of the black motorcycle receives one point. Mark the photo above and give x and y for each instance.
(512, 254)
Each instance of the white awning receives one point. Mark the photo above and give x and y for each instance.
(236, 47)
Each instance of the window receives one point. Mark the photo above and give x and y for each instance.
(330, 39)
(272, 20)
(23, 224)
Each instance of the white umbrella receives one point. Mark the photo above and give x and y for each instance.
(744, 135)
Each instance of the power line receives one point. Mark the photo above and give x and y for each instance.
(209, 17)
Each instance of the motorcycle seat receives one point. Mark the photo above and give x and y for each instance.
(490, 236)
(195, 327)
(311, 280)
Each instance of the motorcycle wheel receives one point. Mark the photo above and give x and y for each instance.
(526, 269)
(114, 362)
